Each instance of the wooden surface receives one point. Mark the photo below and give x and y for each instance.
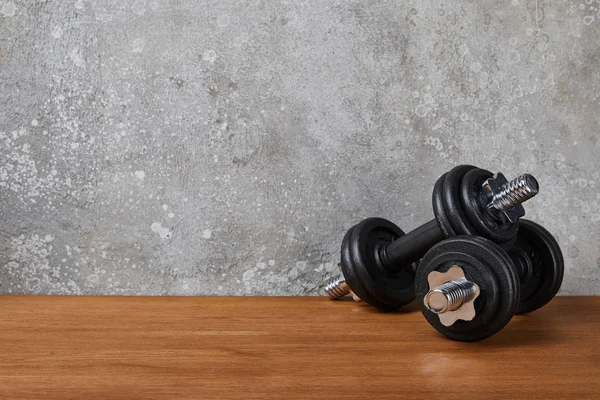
(282, 348)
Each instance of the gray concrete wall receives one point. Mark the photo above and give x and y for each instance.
(224, 147)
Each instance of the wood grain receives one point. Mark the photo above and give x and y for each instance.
(283, 348)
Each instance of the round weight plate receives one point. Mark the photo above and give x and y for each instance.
(362, 269)
(474, 202)
(452, 200)
(540, 264)
(439, 210)
(484, 263)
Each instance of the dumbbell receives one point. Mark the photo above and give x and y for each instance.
(378, 261)
(468, 288)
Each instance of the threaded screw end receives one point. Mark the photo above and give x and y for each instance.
(337, 287)
(515, 192)
(450, 296)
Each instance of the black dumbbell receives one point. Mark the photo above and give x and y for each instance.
(378, 259)
(468, 288)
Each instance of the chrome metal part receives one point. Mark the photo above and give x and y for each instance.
(337, 287)
(451, 296)
(507, 197)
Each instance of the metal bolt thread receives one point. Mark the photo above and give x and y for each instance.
(515, 192)
(337, 287)
(450, 296)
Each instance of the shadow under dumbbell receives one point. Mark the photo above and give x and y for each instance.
(525, 330)
(409, 308)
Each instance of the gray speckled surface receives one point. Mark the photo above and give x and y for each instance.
(224, 147)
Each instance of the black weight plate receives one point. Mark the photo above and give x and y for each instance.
(452, 200)
(473, 201)
(484, 263)
(508, 260)
(439, 210)
(361, 267)
(542, 266)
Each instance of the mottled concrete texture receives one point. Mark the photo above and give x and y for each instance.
(224, 147)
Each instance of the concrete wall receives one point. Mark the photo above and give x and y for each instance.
(224, 147)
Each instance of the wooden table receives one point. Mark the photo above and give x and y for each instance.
(304, 348)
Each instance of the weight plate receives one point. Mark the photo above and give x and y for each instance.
(452, 201)
(439, 210)
(540, 265)
(362, 269)
(484, 263)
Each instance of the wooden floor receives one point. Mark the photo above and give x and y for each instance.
(282, 348)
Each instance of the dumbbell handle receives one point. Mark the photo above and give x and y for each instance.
(411, 247)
